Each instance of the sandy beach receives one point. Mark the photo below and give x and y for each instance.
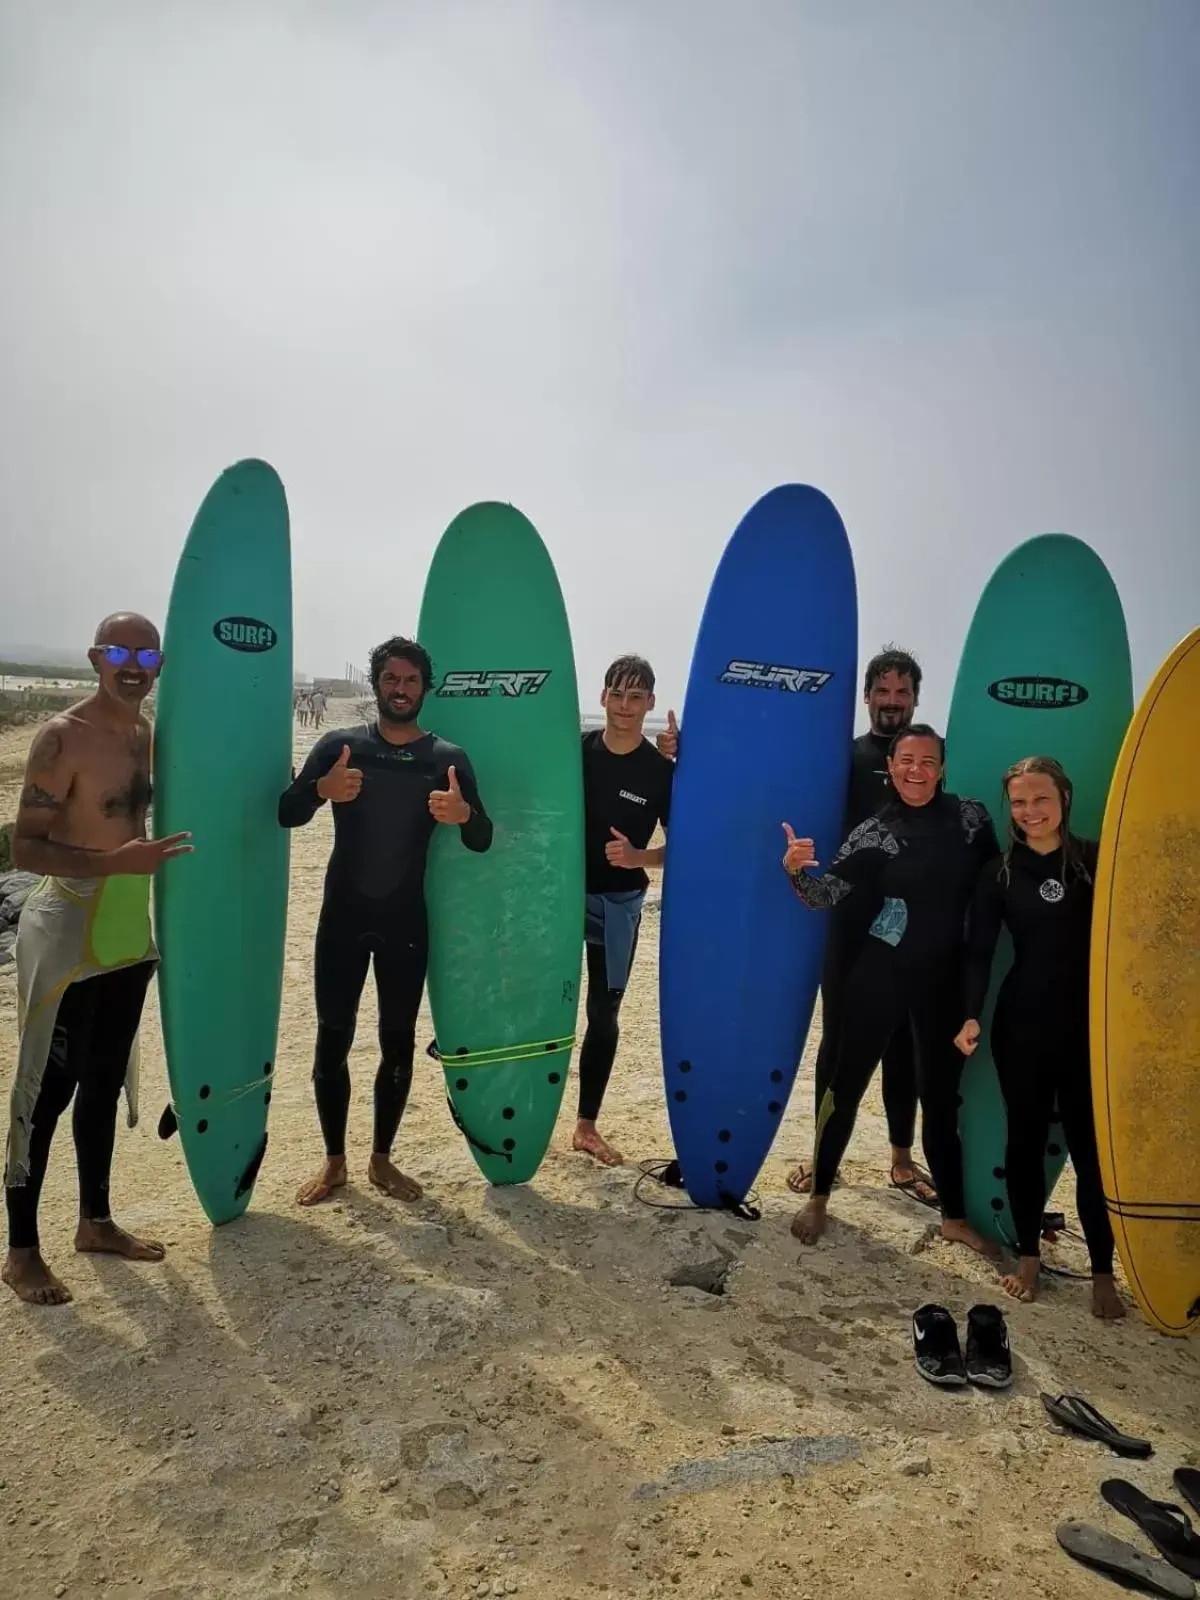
(497, 1392)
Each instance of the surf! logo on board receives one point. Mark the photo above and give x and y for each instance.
(246, 634)
(1037, 694)
(477, 685)
(764, 675)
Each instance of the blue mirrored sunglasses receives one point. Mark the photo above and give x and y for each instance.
(118, 655)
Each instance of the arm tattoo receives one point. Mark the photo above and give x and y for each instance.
(35, 798)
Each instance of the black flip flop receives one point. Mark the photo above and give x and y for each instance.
(921, 1179)
(1187, 1481)
(1122, 1561)
(1072, 1411)
(1167, 1527)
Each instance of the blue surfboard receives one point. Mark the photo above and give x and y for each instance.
(768, 721)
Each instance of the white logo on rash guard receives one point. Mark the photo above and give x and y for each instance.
(638, 799)
(1052, 891)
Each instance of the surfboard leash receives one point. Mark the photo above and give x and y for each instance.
(669, 1175)
(502, 1053)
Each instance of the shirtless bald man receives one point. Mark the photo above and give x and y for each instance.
(84, 952)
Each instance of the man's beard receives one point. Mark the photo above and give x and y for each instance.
(391, 713)
(890, 719)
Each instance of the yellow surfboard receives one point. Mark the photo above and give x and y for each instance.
(1145, 997)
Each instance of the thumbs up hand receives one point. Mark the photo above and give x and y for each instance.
(800, 853)
(668, 741)
(967, 1037)
(342, 782)
(620, 853)
(447, 805)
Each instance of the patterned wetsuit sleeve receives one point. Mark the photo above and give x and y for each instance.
(300, 802)
(476, 832)
(857, 863)
(983, 929)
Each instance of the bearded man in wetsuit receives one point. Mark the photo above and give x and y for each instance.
(390, 784)
(81, 823)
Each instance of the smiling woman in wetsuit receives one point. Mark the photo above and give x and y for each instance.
(1041, 889)
(915, 866)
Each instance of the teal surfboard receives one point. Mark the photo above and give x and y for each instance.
(505, 928)
(1044, 672)
(223, 750)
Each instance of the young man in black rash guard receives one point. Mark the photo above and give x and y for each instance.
(626, 794)
(913, 869)
(390, 784)
(1042, 891)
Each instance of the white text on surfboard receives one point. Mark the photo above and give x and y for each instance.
(762, 675)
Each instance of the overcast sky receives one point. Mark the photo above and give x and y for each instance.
(628, 263)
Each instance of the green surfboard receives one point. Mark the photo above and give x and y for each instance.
(505, 928)
(223, 750)
(1044, 672)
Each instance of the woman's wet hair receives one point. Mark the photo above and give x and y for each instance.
(918, 730)
(1074, 865)
(401, 649)
(630, 672)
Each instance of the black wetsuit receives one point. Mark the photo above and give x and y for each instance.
(631, 793)
(913, 871)
(1040, 1029)
(94, 1031)
(374, 907)
(870, 790)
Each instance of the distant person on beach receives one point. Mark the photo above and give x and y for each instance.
(891, 690)
(914, 869)
(81, 822)
(317, 705)
(1041, 890)
(390, 783)
(626, 794)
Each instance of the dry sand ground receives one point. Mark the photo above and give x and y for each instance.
(494, 1392)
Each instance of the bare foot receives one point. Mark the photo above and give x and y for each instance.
(93, 1238)
(331, 1176)
(799, 1179)
(391, 1181)
(590, 1143)
(31, 1280)
(808, 1225)
(1106, 1302)
(1023, 1283)
(958, 1231)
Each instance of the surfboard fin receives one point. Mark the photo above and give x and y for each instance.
(168, 1123)
(246, 1182)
